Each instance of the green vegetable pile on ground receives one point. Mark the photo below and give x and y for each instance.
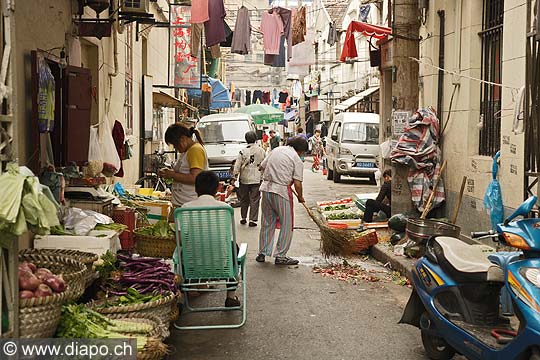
(343, 216)
(80, 322)
(159, 229)
(24, 205)
(113, 226)
(335, 207)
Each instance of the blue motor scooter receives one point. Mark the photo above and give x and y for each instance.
(456, 294)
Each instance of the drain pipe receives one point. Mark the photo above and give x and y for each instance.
(440, 80)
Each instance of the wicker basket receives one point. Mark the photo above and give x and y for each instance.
(154, 246)
(160, 309)
(73, 272)
(85, 258)
(39, 317)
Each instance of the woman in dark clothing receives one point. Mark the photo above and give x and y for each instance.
(374, 206)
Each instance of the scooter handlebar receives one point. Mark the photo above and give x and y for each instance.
(479, 234)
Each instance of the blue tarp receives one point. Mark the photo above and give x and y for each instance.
(220, 94)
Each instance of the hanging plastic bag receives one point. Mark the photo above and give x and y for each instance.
(493, 197)
(95, 158)
(111, 160)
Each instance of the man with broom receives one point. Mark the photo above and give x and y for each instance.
(281, 169)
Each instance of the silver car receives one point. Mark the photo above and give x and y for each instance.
(352, 146)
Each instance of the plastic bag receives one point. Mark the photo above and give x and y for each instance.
(111, 160)
(493, 197)
(387, 147)
(95, 158)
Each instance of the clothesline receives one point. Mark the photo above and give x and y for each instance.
(461, 75)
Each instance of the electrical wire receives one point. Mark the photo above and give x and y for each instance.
(462, 76)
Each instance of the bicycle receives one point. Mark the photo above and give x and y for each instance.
(153, 163)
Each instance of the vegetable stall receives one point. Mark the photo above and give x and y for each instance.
(84, 275)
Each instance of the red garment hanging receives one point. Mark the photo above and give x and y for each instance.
(376, 31)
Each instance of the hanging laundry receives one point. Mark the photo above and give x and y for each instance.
(119, 138)
(241, 41)
(272, 29)
(286, 18)
(215, 26)
(215, 51)
(266, 97)
(349, 46)
(46, 97)
(296, 89)
(238, 97)
(283, 95)
(257, 96)
(228, 36)
(199, 11)
(248, 97)
(196, 35)
(364, 12)
(275, 96)
(299, 26)
(332, 34)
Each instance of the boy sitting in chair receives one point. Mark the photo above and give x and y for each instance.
(206, 186)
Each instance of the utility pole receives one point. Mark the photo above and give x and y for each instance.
(405, 44)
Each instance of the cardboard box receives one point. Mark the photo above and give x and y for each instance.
(157, 210)
(97, 242)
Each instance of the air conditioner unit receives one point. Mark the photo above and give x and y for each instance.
(136, 6)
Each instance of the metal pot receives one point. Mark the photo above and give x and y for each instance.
(419, 230)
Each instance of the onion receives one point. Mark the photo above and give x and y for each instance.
(43, 274)
(56, 283)
(29, 265)
(43, 291)
(25, 294)
(28, 281)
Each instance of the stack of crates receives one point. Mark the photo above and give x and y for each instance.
(128, 217)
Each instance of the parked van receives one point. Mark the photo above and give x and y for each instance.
(352, 146)
(224, 137)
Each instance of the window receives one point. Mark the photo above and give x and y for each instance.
(361, 133)
(216, 132)
(128, 84)
(337, 130)
(490, 96)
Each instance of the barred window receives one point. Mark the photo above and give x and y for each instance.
(490, 96)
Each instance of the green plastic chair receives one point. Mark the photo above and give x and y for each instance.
(206, 255)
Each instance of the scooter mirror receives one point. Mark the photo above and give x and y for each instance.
(523, 210)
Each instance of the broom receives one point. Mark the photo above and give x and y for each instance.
(334, 242)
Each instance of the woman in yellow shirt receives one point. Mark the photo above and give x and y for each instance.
(192, 161)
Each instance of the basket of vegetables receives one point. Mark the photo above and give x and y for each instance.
(85, 258)
(71, 271)
(79, 321)
(42, 294)
(157, 240)
(134, 304)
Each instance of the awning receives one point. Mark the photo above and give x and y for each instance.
(369, 30)
(163, 99)
(353, 100)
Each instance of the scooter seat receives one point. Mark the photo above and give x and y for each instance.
(468, 262)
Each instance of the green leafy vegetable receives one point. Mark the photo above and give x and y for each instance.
(159, 229)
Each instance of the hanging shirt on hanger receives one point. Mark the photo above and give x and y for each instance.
(241, 41)
(199, 11)
(248, 97)
(266, 97)
(299, 26)
(296, 89)
(215, 26)
(257, 95)
(332, 34)
(272, 29)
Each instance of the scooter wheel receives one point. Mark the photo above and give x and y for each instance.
(436, 348)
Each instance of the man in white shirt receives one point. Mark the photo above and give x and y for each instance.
(282, 168)
(206, 186)
(246, 169)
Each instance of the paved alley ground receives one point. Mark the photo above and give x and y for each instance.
(294, 313)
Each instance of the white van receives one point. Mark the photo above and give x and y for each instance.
(224, 137)
(352, 146)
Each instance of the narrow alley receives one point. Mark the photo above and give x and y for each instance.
(294, 313)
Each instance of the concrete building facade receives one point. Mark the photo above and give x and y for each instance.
(463, 113)
(110, 66)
